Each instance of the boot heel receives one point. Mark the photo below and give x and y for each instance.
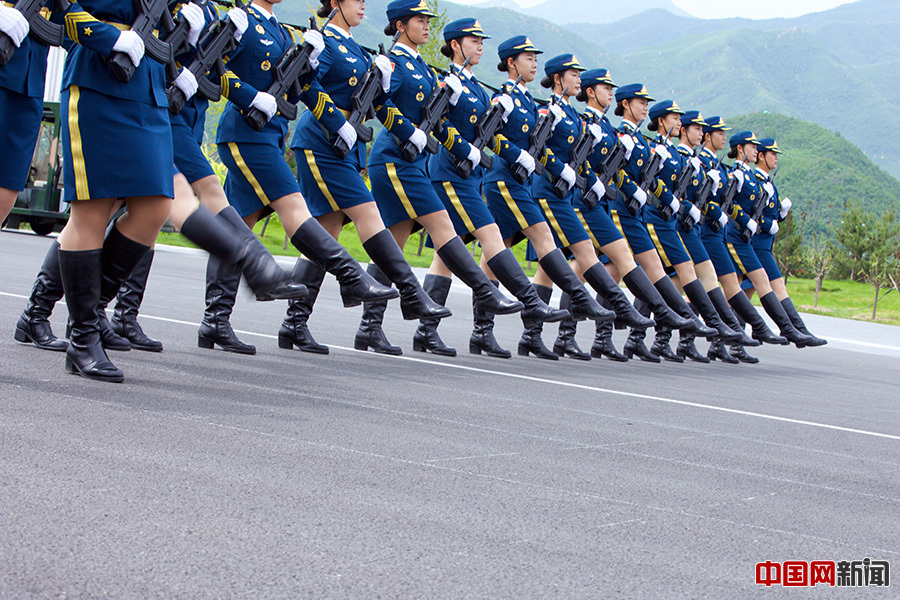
(21, 336)
(419, 347)
(350, 301)
(70, 366)
(628, 352)
(361, 345)
(474, 349)
(285, 342)
(522, 350)
(205, 342)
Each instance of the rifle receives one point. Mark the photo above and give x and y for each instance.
(537, 145)
(684, 178)
(433, 112)
(758, 207)
(701, 201)
(487, 127)
(578, 155)
(292, 65)
(43, 30)
(611, 166)
(149, 13)
(216, 41)
(362, 104)
(649, 174)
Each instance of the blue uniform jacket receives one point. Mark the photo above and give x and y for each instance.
(743, 201)
(771, 213)
(714, 206)
(92, 29)
(412, 83)
(251, 70)
(25, 71)
(558, 146)
(194, 112)
(641, 153)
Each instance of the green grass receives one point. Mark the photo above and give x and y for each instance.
(845, 299)
(274, 239)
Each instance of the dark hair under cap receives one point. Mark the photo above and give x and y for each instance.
(325, 9)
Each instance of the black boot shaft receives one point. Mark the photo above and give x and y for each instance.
(456, 256)
(34, 324)
(370, 333)
(505, 266)
(644, 291)
(294, 331)
(798, 323)
(717, 296)
(760, 331)
(582, 306)
(673, 299)
(426, 338)
(565, 344)
(128, 304)
(700, 299)
(775, 310)
(222, 282)
(603, 283)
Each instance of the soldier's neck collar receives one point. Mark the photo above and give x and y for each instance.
(266, 14)
(346, 34)
(408, 50)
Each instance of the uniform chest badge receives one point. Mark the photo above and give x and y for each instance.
(266, 65)
(353, 81)
(753, 196)
(266, 42)
(518, 102)
(342, 48)
(417, 77)
(674, 176)
(571, 139)
(695, 182)
(604, 150)
(640, 162)
(259, 29)
(473, 119)
(771, 205)
(420, 96)
(525, 128)
(410, 66)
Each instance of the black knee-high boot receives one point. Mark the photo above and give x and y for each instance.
(661, 347)
(482, 338)
(507, 269)
(426, 338)
(600, 279)
(673, 298)
(700, 299)
(531, 337)
(487, 296)
(357, 286)
(81, 275)
(415, 303)
(718, 299)
(294, 330)
(582, 305)
(128, 303)
(34, 324)
(738, 352)
(603, 342)
(688, 349)
(565, 344)
(635, 346)
(759, 330)
(718, 351)
(774, 309)
(797, 321)
(640, 285)
(228, 237)
(370, 333)
(223, 279)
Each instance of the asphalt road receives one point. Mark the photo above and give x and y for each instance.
(356, 475)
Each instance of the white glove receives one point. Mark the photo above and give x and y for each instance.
(785, 207)
(739, 175)
(131, 44)
(455, 85)
(628, 142)
(675, 205)
(526, 160)
(753, 226)
(347, 133)
(695, 163)
(596, 132)
(419, 139)
(266, 103)
(195, 18)
(641, 196)
(474, 157)
(13, 24)
(716, 177)
(239, 18)
(770, 189)
(557, 113)
(696, 215)
(186, 82)
(314, 38)
(568, 175)
(506, 101)
(599, 189)
(773, 228)
(662, 151)
(723, 219)
(384, 64)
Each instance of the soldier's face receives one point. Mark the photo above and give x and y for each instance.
(525, 65)
(571, 79)
(718, 139)
(604, 93)
(417, 30)
(670, 121)
(750, 152)
(639, 108)
(692, 134)
(472, 48)
(354, 11)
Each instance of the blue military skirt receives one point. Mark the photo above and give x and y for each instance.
(596, 222)
(512, 206)
(694, 245)
(114, 148)
(257, 175)
(329, 183)
(714, 243)
(18, 136)
(189, 158)
(464, 204)
(665, 238)
(767, 260)
(631, 227)
(559, 214)
(403, 191)
(742, 254)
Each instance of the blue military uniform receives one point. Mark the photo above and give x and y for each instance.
(257, 171)
(21, 107)
(189, 124)
(763, 241)
(741, 252)
(691, 240)
(714, 240)
(101, 115)
(511, 202)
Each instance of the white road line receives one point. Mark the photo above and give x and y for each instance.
(866, 344)
(567, 384)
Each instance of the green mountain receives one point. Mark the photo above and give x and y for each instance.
(820, 171)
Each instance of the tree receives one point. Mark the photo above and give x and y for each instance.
(852, 235)
(431, 51)
(819, 259)
(788, 241)
(880, 263)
